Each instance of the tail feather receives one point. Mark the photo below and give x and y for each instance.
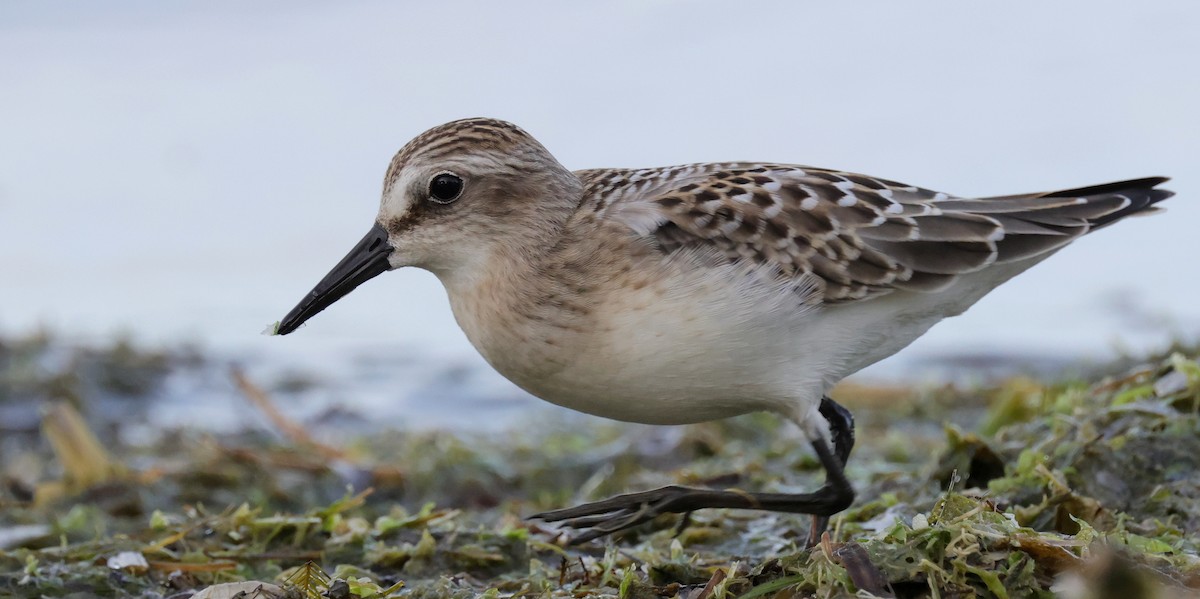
(1144, 183)
(1038, 223)
(1140, 194)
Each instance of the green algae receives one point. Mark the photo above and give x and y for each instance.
(1023, 489)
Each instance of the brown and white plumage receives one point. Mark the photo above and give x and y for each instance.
(860, 236)
(685, 293)
(688, 293)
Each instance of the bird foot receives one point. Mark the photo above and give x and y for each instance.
(601, 518)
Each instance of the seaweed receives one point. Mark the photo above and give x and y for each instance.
(1083, 488)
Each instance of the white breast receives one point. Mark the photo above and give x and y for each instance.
(683, 340)
(674, 344)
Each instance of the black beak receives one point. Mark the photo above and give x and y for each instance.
(367, 260)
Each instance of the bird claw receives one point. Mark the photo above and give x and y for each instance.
(602, 518)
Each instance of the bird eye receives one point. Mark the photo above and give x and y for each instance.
(445, 188)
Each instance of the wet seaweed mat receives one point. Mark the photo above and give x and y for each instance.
(1025, 489)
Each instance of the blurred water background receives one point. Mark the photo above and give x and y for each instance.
(185, 172)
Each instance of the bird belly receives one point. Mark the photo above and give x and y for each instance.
(691, 346)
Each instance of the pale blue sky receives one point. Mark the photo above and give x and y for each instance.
(189, 171)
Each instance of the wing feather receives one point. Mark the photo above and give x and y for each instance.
(860, 236)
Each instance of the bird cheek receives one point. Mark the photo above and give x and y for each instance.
(403, 256)
(414, 248)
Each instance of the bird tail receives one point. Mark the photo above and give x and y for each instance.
(1037, 223)
(1114, 201)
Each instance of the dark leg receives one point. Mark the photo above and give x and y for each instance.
(841, 431)
(626, 511)
(841, 427)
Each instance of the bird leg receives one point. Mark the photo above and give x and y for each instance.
(841, 432)
(606, 517)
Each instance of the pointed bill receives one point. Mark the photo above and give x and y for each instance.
(367, 260)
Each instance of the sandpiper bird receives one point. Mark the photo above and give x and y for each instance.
(690, 293)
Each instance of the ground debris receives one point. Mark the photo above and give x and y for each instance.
(1023, 489)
